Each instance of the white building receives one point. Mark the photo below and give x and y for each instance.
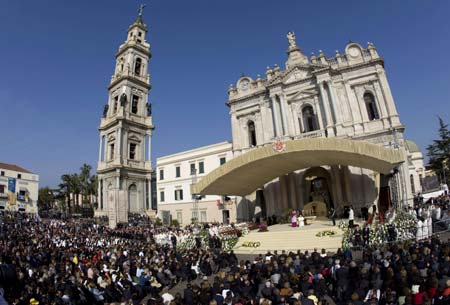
(19, 189)
(338, 119)
(125, 167)
(175, 175)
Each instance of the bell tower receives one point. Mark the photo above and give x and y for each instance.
(124, 166)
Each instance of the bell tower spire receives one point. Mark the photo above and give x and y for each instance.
(125, 167)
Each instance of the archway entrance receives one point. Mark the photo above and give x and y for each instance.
(317, 191)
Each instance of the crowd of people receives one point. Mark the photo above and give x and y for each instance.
(79, 262)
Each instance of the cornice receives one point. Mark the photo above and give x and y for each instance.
(148, 86)
(117, 121)
(136, 47)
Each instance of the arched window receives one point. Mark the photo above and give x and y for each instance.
(371, 107)
(413, 188)
(251, 133)
(137, 67)
(309, 119)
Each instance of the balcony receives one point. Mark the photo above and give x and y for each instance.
(311, 134)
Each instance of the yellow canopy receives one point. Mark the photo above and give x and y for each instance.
(246, 173)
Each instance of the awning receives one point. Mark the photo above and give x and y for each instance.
(246, 173)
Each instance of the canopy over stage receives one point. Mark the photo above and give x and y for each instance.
(250, 171)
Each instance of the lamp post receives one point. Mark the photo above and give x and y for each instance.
(194, 196)
(400, 171)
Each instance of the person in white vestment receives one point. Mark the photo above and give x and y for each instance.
(301, 220)
(419, 230)
(430, 226)
(425, 228)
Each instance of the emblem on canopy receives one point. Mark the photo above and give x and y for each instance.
(279, 145)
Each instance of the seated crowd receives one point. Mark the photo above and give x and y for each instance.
(80, 262)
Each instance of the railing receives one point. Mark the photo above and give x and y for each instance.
(441, 226)
(332, 61)
(311, 134)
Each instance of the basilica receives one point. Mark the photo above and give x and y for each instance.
(319, 133)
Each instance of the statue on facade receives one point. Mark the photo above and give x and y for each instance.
(149, 109)
(105, 110)
(123, 100)
(291, 38)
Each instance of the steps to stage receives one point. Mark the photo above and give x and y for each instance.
(284, 237)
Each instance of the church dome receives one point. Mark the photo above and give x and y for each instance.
(412, 146)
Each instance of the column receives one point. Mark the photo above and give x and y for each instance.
(334, 106)
(381, 104)
(293, 191)
(319, 113)
(275, 116)
(99, 195)
(119, 145)
(283, 115)
(392, 111)
(337, 178)
(326, 107)
(100, 149)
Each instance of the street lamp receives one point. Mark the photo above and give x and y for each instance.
(194, 196)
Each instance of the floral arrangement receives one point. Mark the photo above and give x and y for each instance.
(326, 233)
(251, 244)
(263, 227)
(228, 236)
(402, 228)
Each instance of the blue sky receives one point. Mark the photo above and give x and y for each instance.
(58, 57)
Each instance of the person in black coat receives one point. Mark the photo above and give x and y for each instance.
(188, 295)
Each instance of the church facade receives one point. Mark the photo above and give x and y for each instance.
(125, 167)
(346, 96)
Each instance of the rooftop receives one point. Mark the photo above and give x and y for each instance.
(14, 167)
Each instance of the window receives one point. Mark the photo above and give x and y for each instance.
(251, 134)
(203, 216)
(137, 67)
(177, 172)
(134, 104)
(2, 189)
(180, 217)
(413, 187)
(309, 119)
(140, 34)
(179, 194)
(194, 215)
(161, 174)
(2, 173)
(161, 196)
(201, 167)
(222, 160)
(19, 176)
(116, 103)
(372, 111)
(132, 155)
(111, 151)
(193, 169)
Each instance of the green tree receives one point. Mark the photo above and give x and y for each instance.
(45, 198)
(85, 180)
(439, 152)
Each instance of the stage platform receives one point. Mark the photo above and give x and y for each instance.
(284, 237)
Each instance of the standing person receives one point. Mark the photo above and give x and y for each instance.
(333, 216)
(351, 217)
(294, 219)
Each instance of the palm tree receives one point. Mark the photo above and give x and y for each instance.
(85, 180)
(65, 187)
